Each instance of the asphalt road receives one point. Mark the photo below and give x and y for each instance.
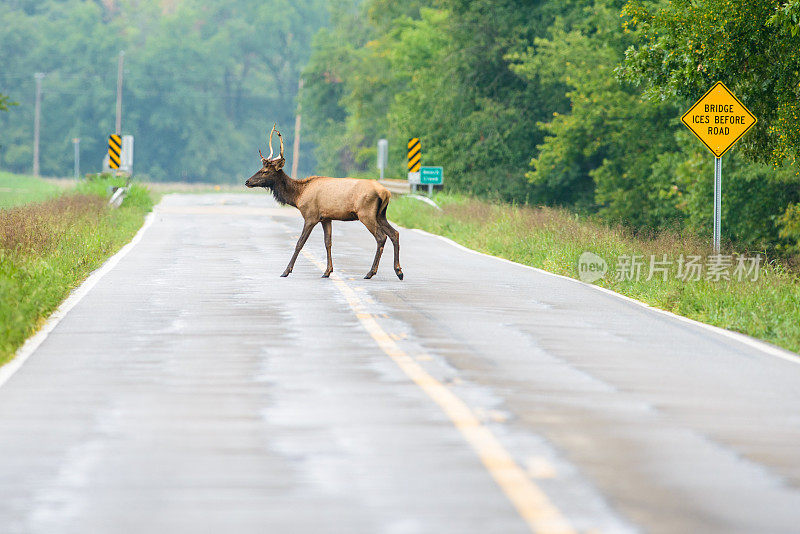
(193, 390)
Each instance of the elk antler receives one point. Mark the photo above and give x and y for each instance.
(270, 140)
(281, 140)
(263, 159)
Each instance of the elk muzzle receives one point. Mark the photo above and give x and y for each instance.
(254, 181)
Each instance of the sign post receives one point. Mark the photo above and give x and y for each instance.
(383, 155)
(414, 161)
(717, 238)
(718, 119)
(127, 154)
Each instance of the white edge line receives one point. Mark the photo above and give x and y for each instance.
(33, 342)
(736, 336)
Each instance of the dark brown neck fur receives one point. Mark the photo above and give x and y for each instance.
(285, 189)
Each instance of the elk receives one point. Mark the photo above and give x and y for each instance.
(322, 199)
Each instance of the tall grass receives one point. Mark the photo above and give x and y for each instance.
(47, 248)
(554, 239)
(17, 189)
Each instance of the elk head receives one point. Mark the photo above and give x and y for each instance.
(270, 167)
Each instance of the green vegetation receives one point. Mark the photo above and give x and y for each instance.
(5, 103)
(553, 239)
(755, 44)
(18, 189)
(47, 248)
(204, 81)
(572, 104)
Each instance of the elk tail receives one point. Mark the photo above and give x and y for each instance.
(385, 196)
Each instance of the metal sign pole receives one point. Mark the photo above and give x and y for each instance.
(383, 155)
(717, 204)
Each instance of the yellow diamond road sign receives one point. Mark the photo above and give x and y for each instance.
(718, 119)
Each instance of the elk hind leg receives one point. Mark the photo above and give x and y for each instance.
(380, 237)
(394, 235)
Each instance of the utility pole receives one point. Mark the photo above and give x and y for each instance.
(76, 143)
(296, 146)
(118, 129)
(37, 117)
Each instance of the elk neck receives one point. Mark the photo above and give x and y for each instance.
(285, 189)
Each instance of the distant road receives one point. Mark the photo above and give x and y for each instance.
(194, 390)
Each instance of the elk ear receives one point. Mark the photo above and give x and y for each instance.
(278, 163)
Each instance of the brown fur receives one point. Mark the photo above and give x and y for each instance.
(324, 199)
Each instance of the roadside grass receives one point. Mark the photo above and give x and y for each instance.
(48, 248)
(553, 240)
(18, 189)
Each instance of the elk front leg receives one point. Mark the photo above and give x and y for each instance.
(326, 228)
(307, 227)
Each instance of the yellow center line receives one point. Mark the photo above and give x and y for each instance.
(531, 502)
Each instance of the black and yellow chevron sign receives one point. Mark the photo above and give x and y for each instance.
(414, 154)
(114, 150)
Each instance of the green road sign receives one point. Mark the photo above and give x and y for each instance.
(431, 175)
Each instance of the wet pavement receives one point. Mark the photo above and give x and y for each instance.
(194, 390)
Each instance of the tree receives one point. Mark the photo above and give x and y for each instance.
(751, 45)
(600, 154)
(204, 80)
(437, 72)
(5, 102)
(754, 47)
(493, 86)
(351, 84)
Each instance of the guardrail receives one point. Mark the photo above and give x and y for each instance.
(400, 187)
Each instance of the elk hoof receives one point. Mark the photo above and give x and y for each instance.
(326, 274)
(285, 274)
(399, 273)
(369, 275)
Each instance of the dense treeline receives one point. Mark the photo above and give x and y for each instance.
(204, 80)
(571, 103)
